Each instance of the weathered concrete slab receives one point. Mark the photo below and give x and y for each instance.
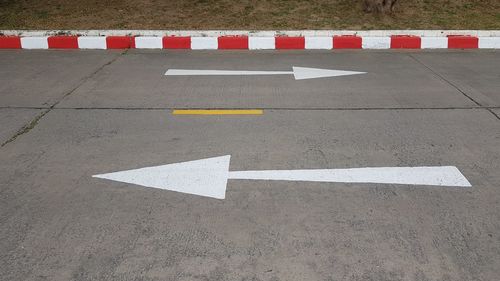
(393, 80)
(58, 223)
(41, 78)
(474, 73)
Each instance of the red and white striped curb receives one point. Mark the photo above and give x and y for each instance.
(383, 40)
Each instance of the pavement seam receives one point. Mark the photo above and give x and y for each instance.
(32, 124)
(445, 80)
(453, 85)
(265, 108)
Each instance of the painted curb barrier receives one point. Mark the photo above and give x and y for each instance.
(120, 42)
(383, 42)
(91, 42)
(34, 43)
(250, 43)
(204, 43)
(62, 42)
(10, 42)
(347, 42)
(176, 42)
(261, 43)
(290, 43)
(489, 43)
(232, 42)
(462, 42)
(405, 42)
(318, 43)
(434, 42)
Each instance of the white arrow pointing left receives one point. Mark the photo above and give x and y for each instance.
(208, 177)
(205, 177)
(299, 73)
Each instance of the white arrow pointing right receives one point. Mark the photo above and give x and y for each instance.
(300, 73)
(208, 177)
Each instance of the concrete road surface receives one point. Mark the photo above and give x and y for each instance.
(68, 115)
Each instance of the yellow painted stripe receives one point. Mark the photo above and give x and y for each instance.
(218, 112)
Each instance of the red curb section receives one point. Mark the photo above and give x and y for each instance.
(290, 43)
(462, 42)
(176, 42)
(347, 42)
(119, 42)
(63, 42)
(233, 42)
(405, 42)
(10, 42)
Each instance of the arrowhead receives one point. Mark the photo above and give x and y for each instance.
(204, 177)
(301, 73)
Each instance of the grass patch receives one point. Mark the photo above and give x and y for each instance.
(245, 14)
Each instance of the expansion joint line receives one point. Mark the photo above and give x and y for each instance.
(445, 80)
(454, 86)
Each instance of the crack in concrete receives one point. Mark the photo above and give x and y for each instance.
(32, 124)
(493, 112)
(26, 128)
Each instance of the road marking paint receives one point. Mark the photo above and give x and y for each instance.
(208, 177)
(437, 176)
(299, 73)
(218, 112)
(194, 72)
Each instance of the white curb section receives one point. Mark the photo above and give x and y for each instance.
(35, 42)
(434, 42)
(261, 43)
(318, 43)
(489, 42)
(204, 43)
(92, 42)
(148, 42)
(376, 42)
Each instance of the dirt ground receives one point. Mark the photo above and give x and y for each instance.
(245, 14)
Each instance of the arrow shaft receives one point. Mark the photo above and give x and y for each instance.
(208, 177)
(189, 72)
(437, 176)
